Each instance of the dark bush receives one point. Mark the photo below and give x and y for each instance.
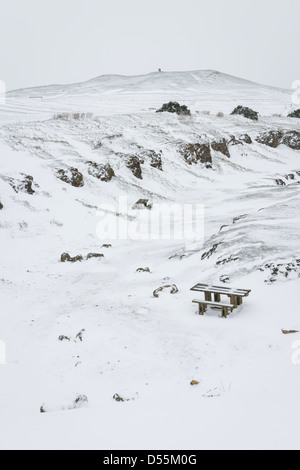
(246, 112)
(175, 108)
(295, 114)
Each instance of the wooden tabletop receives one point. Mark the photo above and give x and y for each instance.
(221, 290)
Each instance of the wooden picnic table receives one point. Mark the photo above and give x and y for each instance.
(236, 295)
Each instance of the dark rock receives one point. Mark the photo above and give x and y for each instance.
(245, 138)
(197, 153)
(119, 399)
(281, 270)
(24, 186)
(155, 159)
(143, 270)
(134, 164)
(292, 140)
(101, 172)
(175, 108)
(80, 400)
(27, 184)
(280, 182)
(1, 206)
(231, 259)
(174, 290)
(222, 147)
(64, 338)
(246, 112)
(234, 141)
(275, 138)
(271, 139)
(295, 114)
(94, 255)
(71, 176)
(224, 278)
(209, 253)
(80, 335)
(106, 246)
(65, 257)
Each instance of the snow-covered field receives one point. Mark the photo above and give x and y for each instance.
(147, 350)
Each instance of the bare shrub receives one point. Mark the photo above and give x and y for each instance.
(220, 115)
(72, 116)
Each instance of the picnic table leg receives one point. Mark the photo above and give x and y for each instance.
(208, 296)
(224, 312)
(234, 300)
(217, 297)
(201, 309)
(240, 300)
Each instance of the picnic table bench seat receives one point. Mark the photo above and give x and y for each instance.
(203, 304)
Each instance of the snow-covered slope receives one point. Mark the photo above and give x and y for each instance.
(115, 94)
(143, 348)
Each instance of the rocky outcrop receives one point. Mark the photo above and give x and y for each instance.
(197, 153)
(245, 138)
(175, 108)
(64, 338)
(66, 258)
(155, 159)
(222, 147)
(71, 176)
(246, 112)
(275, 138)
(101, 172)
(210, 252)
(295, 114)
(134, 164)
(24, 186)
(94, 255)
(271, 139)
(1, 206)
(173, 290)
(281, 271)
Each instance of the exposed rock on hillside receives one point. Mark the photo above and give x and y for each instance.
(101, 172)
(24, 186)
(71, 176)
(94, 255)
(222, 147)
(282, 271)
(155, 159)
(173, 290)
(65, 257)
(134, 164)
(245, 138)
(197, 153)
(275, 138)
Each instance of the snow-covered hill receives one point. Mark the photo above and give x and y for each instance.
(56, 170)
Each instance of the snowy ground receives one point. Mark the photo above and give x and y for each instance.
(147, 349)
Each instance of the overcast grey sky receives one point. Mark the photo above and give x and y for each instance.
(65, 41)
